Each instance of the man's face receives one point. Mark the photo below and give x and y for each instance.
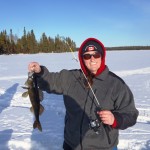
(92, 61)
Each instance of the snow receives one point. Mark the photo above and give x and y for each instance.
(16, 120)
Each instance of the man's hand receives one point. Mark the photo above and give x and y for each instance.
(106, 116)
(34, 67)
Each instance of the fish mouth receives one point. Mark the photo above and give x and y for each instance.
(25, 87)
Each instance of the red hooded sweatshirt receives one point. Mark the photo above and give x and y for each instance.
(102, 67)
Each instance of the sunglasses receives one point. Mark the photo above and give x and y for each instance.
(88, 56)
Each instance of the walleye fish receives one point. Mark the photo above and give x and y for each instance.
(36, 96)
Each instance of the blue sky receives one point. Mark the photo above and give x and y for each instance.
(113, 22)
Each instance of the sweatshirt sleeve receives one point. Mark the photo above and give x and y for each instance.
(52, 82)
(125, 112)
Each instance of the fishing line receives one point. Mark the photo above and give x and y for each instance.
(81, 70)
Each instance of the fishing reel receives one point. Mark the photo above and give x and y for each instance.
(95, 123)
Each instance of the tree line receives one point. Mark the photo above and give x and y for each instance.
(28, 44)
(12, 44)
(128, 48)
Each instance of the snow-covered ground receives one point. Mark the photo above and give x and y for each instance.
(16, 120)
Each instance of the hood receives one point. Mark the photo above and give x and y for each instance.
(102, 67)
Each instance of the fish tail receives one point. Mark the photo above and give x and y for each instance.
(37, 124)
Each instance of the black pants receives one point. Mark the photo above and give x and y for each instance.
(66, 146)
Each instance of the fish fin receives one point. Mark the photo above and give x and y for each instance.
(37, 124)
(41, 95)
(31, 109)
(41, 109)
(25, 94)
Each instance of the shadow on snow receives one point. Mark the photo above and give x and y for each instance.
(5, 100)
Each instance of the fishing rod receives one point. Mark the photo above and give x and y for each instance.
(81, 70)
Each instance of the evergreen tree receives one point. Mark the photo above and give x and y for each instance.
(31, 42)
(71, 44)
(12, 46)
(23, 42)
(45, 44)
(51, 44)
(4, 43)
(60, 45)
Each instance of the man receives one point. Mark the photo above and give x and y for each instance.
(98, 103)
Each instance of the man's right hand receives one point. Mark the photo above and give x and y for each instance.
(34, 67)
